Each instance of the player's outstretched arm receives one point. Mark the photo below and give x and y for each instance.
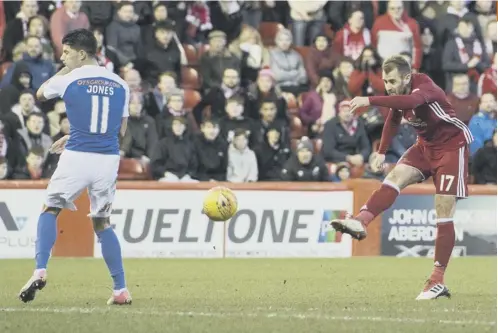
(401, 102)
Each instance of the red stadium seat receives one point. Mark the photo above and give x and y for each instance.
(190, 78)
(296, 127)
(292, 106)
(192, 98)
(303, 51)
(133, 169)
(268, 31)
(191, 53)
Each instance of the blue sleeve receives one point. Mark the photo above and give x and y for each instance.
(7, 77)
(476, 130)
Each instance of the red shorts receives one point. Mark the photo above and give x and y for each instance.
(449, 169)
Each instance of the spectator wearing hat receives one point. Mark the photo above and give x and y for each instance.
(345, 138)
(242, 162)
(214, 62)
(265, 88)
(366, 79)
(211, 150)
(272, 154)
(308, 18)
(304, 165)
(322, 57)
(353, 37)
(174, 158)
(165, 54)
(66, 18)
(287, 65)
(319, 105)
(216, 98)
(395, 32)
(123, 34)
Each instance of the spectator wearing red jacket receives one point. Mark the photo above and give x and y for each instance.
(353, 37)
(396, 32)
(366, 79)
(322, 57)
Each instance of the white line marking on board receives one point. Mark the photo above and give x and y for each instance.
(313, 316)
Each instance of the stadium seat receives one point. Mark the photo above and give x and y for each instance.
(303, 51)
(318, 143)
(296, 127)
(133, 169)
(191, 53)
(268, 31)
(190, 78)
(192, 98)
(292, 106)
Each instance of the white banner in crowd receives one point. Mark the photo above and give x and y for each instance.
(166, 223)
(19, 212)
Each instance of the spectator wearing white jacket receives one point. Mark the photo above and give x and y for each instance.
(242, 163)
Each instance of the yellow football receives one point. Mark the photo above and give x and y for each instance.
(220, 203)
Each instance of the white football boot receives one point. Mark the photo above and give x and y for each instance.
(351, 227)
(433, 290)
(35, 283)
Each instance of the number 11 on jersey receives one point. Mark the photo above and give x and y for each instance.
(98, 112)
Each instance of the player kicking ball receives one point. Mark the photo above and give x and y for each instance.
(97, 108)
(441, 151)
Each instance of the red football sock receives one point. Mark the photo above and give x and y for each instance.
(378, 202)
(445, 241)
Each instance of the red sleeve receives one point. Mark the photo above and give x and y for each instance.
(311, 67)
(390, 130)
(417, 45)
(418, 97)
(356, 81)
(338, 41)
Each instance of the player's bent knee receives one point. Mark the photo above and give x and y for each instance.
(445, 206)
(403, 175)
(101, 223)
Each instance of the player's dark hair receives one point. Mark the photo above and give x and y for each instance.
(37, 150)
(396, 62)
(81, 40)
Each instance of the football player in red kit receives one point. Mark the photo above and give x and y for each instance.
(441, 151)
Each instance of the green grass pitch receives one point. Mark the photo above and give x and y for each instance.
(252, 295)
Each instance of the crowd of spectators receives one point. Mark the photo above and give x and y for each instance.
(248, 91)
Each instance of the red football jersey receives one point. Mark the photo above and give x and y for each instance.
(428, 111)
